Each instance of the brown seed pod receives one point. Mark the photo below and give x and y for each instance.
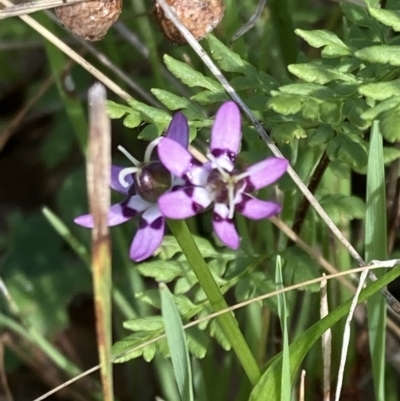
(199, 16)
(90, 20)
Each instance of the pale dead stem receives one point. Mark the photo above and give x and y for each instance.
(326, 343)
(98, 167)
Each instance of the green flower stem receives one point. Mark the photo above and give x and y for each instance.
(227, 321)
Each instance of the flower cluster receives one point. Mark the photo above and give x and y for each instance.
(178, 186)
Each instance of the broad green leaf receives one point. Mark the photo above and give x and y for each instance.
(386, 17)
(390, 155)
(174, 102)
(342, 207)
(227, 59)
(208, 97)
(176, 340)
(191, 77)
(381, 90)
(357, 14)
(383, 106)
(382, 54)
(286, 133)
(270, 383)
(331, 113)
(354, 108)
(149, 113)
(299, 267)
(333, 46)
(149, 133)
(321, 135)
(310, 109)
(117, 110)
(345, 149)
(217, 333)
(308, 89)
(148, 323)
(389, 124)
(132, 120)
(163, 270)
(285, 104)
(131, 347)
(320, 73)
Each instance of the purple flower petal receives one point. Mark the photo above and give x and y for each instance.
(175, 157)
(224, 227)
(118, 214)
(116, 185)
(137, 204)
(226, 132)
(149, 235)
(265, 173)
(178, 130)
(184, 203)
(257, 209)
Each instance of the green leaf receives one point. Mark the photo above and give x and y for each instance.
(320, 73)
(300, 267)
(389, 18)
(149, 133)
(207, 97)
(331, 113)
(150, 114)
(310, 110)
(174, 102)
(382, 54)
(389, 124)
(347, 150)
(381, 90)
(131, 347)
(286, 133)
(354, 109)
(176, 340)
(308, 89)
(283, 317)
(333, 46)
(321, 135)
(376, 248)
(217, 333)
(191, 77)
(117, 110)
(132, 120)
(269, 382)
(227, 59)
(148, 323)
(285, 104)
(163, 270)
(390, 155)
(357, 14)
(342, 207)
(385, 105)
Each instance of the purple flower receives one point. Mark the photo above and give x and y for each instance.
(142, 185)
(217, 180)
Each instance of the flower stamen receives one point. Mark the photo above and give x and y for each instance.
(134, 161)
(124, 173)
(150, 148)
